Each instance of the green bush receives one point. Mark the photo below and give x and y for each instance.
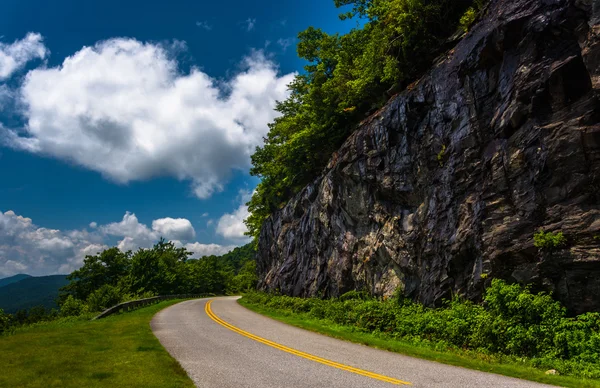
(104, 297)
(549, 241)
(361, 295)
(73, 307)
(468, 19)
(5, 322)
(511, 322)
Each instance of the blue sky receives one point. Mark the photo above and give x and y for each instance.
(124, 121)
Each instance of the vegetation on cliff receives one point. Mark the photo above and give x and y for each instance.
(512, 324)
(348, 77)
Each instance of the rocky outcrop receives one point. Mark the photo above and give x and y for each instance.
(442, 189)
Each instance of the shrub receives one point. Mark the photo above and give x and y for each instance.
(512, 322)
(548, 241)
(73, 307)
(467, 20)
(104, 297)
(361, 295)
(5, 322)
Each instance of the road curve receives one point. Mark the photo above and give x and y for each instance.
(224, 345)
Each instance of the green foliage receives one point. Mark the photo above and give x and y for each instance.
(440, 155)
(112, 277)
(104, 297)
(350, 295)
(245, 280)
(549, 241)
(159, 270)
(5, 322)
(512, 322)
(467, 19)
(107, 267)
(348, 77)
(73, 307)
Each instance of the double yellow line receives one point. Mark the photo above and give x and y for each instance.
(334, 364)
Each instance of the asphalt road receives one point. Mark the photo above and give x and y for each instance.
(226, 345)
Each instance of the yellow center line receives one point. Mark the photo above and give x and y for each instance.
(308, 356)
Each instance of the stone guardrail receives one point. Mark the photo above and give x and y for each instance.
(133, 304)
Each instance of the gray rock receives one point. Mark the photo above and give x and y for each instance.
(443, 188)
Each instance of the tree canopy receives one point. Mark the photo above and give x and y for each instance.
(112, 276)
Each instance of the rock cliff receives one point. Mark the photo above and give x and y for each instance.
(443, 188)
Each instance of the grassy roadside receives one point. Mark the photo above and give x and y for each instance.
(118, 351)
(467, 359)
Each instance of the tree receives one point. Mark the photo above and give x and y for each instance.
(159, 270)
(245, 280)
(5, 321)
(108, 267)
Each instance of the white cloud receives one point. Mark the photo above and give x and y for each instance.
(137, 235)
(250, 24)
(174, 228)
(123, 108)
(132, 230)
(6, 96)
(25, 247)
(204, 25)
(93, 225)
(200, 250)
(285, 43)
(15, 56)
(14, 266)
(232, 225)
(205, 214)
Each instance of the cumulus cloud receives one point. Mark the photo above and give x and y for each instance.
(26, 247)
(174, 228)
(124, 109)
(200, 250)
(135, 234)
(15, 56)
(231, 225)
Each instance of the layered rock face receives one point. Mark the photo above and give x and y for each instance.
(442, 189)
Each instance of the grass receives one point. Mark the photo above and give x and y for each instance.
(117, 351)
(468, 359)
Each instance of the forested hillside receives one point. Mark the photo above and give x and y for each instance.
(31, 291)
(13, 279)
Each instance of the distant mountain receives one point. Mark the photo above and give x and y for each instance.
(31, 291)
(13, 279)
